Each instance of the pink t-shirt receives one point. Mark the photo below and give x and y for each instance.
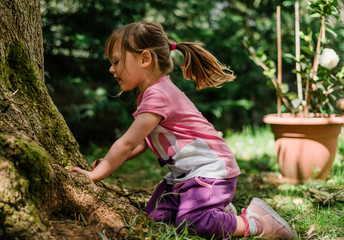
(185, 136)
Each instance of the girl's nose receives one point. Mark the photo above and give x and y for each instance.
(112, 70)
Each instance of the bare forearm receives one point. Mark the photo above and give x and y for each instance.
(118, 153)
(130, 145)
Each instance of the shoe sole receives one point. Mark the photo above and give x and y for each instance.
(266, 207)
(233, 209)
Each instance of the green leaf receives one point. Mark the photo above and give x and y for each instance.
(132, 225)
(331, 32)
(296, 103)
(284, 88)
(320, 87)
(303, 65)
(330, 107)
(292, 96)
(217, 112)
(306, 50)
(288, 55)
(270, 73)
(340, 74)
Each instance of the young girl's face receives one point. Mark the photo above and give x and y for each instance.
(126, 72)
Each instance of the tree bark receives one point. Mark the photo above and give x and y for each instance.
(38, 194)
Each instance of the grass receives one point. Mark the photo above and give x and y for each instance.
(254, 148)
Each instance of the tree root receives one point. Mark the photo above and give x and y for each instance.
(31, 200)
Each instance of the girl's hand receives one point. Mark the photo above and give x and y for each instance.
(85, 172)
(82, 171)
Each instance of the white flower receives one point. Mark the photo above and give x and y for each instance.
(328, 59)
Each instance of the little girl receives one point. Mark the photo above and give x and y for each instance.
(203, 170)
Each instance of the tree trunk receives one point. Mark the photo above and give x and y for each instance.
(38, 194)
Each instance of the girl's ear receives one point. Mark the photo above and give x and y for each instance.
(146, 58)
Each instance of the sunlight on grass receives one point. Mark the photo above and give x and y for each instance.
(254, 149)
(311, 218)
(298, 204)
(251, 143)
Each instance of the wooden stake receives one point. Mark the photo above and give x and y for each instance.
(315, 69)
(273, 79)
(297, 51)
(279, 58)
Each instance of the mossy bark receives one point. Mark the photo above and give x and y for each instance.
(37, 149)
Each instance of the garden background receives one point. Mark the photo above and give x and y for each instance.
(77, 77)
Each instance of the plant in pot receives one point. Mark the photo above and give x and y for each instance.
(306, 138)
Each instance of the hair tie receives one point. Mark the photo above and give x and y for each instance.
(174, 46)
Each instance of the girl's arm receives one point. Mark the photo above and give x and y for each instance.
(141, 148)
(125, 147)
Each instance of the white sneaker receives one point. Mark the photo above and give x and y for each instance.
(230, 208)
(272, 225)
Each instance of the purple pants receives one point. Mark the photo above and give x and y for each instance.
(199, 202)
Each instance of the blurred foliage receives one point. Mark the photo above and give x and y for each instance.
(77, 74)
(327, 86)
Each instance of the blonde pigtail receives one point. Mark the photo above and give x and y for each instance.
(202, 67)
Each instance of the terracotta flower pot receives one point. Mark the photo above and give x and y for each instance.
(305, 147)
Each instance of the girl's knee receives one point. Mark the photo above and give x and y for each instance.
(207, 224)
(162, 216)
(195, 226)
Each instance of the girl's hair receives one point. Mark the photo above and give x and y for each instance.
(199, 65)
